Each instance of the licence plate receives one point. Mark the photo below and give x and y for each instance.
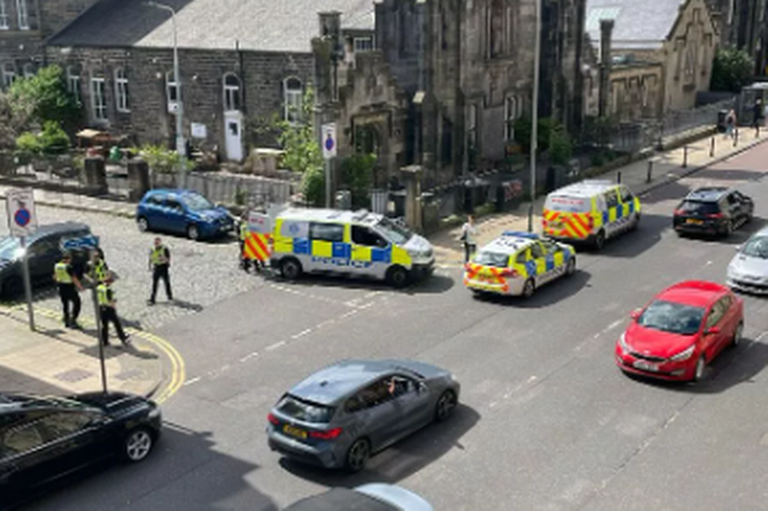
(645, 366)
(298, 433)
(694, 221)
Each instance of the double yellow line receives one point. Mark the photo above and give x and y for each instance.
(178, 368)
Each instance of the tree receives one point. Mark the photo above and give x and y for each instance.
(560, 146)
(43, 97)
(523, 129)
(731, 70)
(357, 175)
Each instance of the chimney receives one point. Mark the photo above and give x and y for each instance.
(606, 33)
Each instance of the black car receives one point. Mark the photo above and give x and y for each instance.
(713, 211)
(45, 438)
(44, 249)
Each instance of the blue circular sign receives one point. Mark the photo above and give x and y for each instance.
(22, 217)
(329, 143)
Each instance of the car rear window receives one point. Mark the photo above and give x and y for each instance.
(568, 204)
(698, 207)
(303, 410)
(491, 259)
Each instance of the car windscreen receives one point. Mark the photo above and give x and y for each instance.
(568, 204)
(691, 207)
(9, 248)
(487, 258)
(196, 202)
(395, 233)
(676, 318)
(756, 247)
(303, 410)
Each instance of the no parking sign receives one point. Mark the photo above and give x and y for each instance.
(22, 219)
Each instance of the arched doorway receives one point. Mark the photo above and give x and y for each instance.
(368, 141)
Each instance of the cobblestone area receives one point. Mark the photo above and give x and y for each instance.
(202, 273)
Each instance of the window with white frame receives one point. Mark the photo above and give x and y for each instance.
(472, 126)
(293, 97)
(121, 91)
(510, 116)
(28, 70)
(9, 74)
(23, 13)
(3, 16)
(362, 44)
(231, 92)
(73, 83)
(98, 98)
(171, 89)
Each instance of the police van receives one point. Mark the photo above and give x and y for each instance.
(360, 243)
(517, 263)
(590, 211)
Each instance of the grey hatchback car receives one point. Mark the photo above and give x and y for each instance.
(339, 416)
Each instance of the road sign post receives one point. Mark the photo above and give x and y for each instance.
(22, 222)
(329, 153)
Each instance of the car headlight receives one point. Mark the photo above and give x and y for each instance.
(623, 343)
(683, 355)
(154, 413)
(420, 254)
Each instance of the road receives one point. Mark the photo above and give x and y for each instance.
(547, 422)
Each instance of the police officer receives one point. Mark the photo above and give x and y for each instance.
(69, 285)
(108, 313)
(97, 267)
(159, 263)
(244, 231)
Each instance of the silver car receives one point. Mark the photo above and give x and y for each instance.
(342, 414)
(748, 271)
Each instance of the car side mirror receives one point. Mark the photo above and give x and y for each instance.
(737, 248)
(712, 330)
(421, 387)
(635, 314)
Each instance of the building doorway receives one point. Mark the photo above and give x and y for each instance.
(233, 135)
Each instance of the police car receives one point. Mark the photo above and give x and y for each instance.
(517, 263)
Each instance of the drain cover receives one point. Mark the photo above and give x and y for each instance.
(74, 375)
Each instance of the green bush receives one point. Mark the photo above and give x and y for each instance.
(523, 132)
(313, 186)
(357, 175)
(51, 141)
(162, 160)
(731, 70)
(560, 147)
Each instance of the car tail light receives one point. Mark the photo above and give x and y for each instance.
(274, 420)
(591, 222)
(716, 215)
(508, 273)
(326, 435)
(678, 212)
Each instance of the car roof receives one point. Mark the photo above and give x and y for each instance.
(337, 499)
(172, 191)
(707, 193)
(335, 382)
(510, 242)
(330, 215)
(58, 228)
(586, 188)
(699, 293)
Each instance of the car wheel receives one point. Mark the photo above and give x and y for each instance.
(635, 223)
(528, 288)
(290, 269)
(397, 276)
(445, 406)
(737, 335)
(12, 287)
(137, 445)
(143, 224)
(193, 232)
(358, 454)
(600, 240)
(570, 269)
(701, 366)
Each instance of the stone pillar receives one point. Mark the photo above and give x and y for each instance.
(96, 175)
(7, 163)
(138, 179)
(606, 33)
(411, 178)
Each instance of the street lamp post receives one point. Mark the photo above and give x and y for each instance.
(535, 111)
(180, 142)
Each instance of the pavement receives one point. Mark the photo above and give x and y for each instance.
(56, 360)
(546, 421)
(78, 202)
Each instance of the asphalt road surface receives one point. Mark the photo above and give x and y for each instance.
(547, 421)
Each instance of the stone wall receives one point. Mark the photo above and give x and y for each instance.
(636, 92)
(261, 77)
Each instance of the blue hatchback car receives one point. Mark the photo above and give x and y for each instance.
(182, 212)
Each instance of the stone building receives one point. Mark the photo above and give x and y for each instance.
(248, 63)
(743, 24)
(660, 54)
(24, 25)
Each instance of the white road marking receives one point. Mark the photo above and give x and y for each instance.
(761, 336)
(193, 380)
(249, 356)
(300, 334)
(275, 346)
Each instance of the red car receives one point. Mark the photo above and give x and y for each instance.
(680, 331)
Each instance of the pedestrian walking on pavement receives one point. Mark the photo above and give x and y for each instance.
(160, 263)
(757, 114)
(245, 264)
(469, 238)
(69, 287)
(730, 123)
(108, 312)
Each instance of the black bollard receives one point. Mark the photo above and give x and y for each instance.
(712, 147)
(618, 177)
(649, 176)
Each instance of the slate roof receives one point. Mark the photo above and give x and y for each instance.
(259, 25)
(639, 24)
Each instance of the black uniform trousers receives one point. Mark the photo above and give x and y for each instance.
(160, 272)
(109, 315)
(69, 295)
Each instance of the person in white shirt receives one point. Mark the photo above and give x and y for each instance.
(469, 237)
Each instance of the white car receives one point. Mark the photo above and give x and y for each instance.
(748, 270)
